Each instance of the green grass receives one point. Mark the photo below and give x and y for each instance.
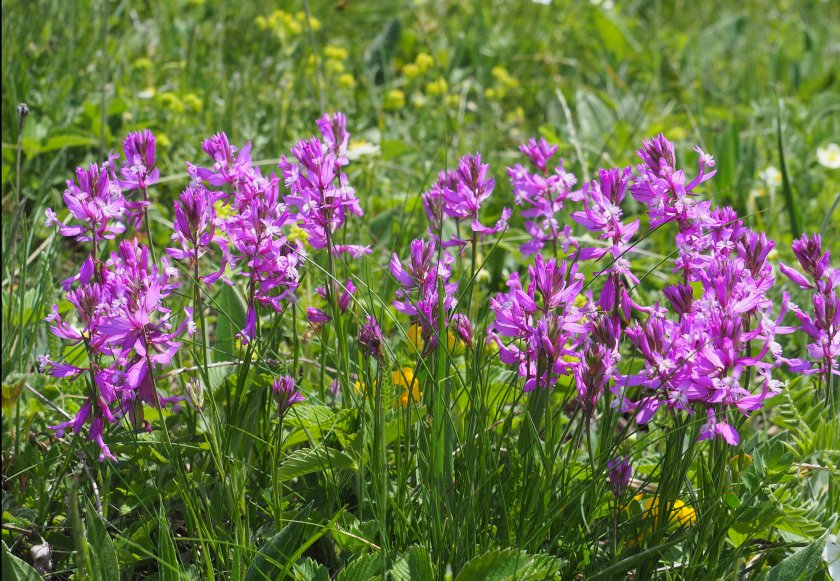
(476, 479)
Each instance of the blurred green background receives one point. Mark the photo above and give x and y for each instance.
(423, 81)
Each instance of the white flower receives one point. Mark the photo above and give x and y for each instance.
(771, 176)
(829, 156)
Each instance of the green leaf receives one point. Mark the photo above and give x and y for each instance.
(15, 569)
(231, 320)
(168, 568)
(415, 565)
(309, 460)
(495, 565)
(800, 565)
(103, 556)
(308, 570)
(277, 555)
(362, 569)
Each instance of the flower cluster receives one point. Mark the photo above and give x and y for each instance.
(319, 189)
(126, 330)
(823, 326)
(543, 195)
(715, 351)
(542, 321)
(459, 195)
(425, 288)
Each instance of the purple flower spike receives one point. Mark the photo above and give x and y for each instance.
(138, 170)
(619, 472)
(371, 343)
(285, 394)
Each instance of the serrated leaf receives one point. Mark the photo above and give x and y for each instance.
(800, 565)
(415, 565)
(15, 569)
(362, 569)
(495, 565)
(308, 570)
(309, 460)
(103, 555)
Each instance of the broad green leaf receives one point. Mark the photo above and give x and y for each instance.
(494, 565)
(308, 570)
(362, 569)
(309, 460)
(800, 565)
(15, 569)
(231, 320)
(415, 565)
(103, 556)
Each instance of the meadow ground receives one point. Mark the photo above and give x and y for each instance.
(428, 375)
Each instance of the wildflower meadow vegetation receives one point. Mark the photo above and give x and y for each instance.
(424, 290)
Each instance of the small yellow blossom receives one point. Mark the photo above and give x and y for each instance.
(424, 62)
(437, 87)
(411, 71)
(347, 81)
(334, 66)
(394, 99)
(336, 52)
(163, 140)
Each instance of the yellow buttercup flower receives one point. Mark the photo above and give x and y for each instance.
(415, 336)
(680, 513)
(411, 387)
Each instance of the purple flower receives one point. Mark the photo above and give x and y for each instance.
(97, 202)
(285, 394)
(459, 195)
(419, 295)
(319, 190)
(195, 230)
(542, 322)
(317, 315)
(371, 343)
(543, 195)
(619, 472)
(138, 170)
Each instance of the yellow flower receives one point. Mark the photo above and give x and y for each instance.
(424, 62)
(411, 70)
(455, 344)
(172, 101)
(335, 52)
(680, 512)
(347, 81)
(452, 100)
(415, 336)
(261, 22)
(163, 140)
(334, 66)
(394, 99)
(411, 387)
(438, 87)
